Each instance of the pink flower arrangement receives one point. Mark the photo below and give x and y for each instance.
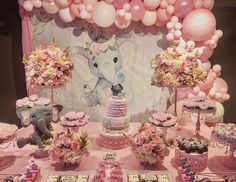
(48, 66)
(177, 68)
(149, 145)
(69, 148)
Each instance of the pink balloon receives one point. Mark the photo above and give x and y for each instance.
(119, 3)
(50, 7)
(77, 1)
(149, 18)
(74, 9)
(207, 53)
(206, 66)
(199, 25)
(28, 6)
(159, 23)
(92, 2)
(183, 7)
(219, 83)
(225, 97)
(63, 3)
(206, 85)
(137, 9)
(66, 16)
(162, 15)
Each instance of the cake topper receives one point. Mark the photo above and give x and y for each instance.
(116, 89)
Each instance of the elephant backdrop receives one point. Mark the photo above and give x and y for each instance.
(125, 60)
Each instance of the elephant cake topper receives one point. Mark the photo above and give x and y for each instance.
(97, 47)
(116, 89)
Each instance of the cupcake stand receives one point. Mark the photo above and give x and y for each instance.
(199, 113)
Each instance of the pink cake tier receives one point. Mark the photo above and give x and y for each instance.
(73, 119)
(116, 106)
(115, 140)
(163, 119)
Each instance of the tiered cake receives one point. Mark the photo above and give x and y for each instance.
(115, 126)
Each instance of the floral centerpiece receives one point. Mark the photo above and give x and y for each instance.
(150, 145)
(177, 68)
(48, 66)
(69, 148)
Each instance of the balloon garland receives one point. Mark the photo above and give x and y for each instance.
(190, 23)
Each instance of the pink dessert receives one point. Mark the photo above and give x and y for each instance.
(163, 119)
(73, 119)
(31, 101)
(199, 103)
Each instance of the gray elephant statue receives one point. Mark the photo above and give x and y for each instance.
(41, 118)
(105, 66)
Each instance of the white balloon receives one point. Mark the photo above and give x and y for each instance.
(66, 16)
(149, 18)
(50, 7)
(104, 15)
(28, 6)
(152, 4)
(218, 116)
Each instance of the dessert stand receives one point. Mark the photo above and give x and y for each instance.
(230, 160)
(199, 113)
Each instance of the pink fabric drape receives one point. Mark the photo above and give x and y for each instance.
(27, 42)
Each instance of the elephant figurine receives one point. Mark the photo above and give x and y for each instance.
(105, 69)
(41, 118)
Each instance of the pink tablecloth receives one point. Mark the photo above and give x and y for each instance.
(19, 157)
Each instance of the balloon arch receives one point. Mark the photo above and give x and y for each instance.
(190, 23)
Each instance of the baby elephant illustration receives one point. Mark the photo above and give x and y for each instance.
(101, 67)
(40, 118)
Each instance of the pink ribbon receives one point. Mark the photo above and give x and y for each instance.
(27, 43)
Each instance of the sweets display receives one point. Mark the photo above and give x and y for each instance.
(73, 119)
(67, 178)
(111, 172)
(163, 119)
(148, 178)
(225, 132)
(191, 145)
(199, 103)
(195, 151)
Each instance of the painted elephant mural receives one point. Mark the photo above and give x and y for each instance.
(102, 68)
(40, 118)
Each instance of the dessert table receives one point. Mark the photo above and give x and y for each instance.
(16, 159)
